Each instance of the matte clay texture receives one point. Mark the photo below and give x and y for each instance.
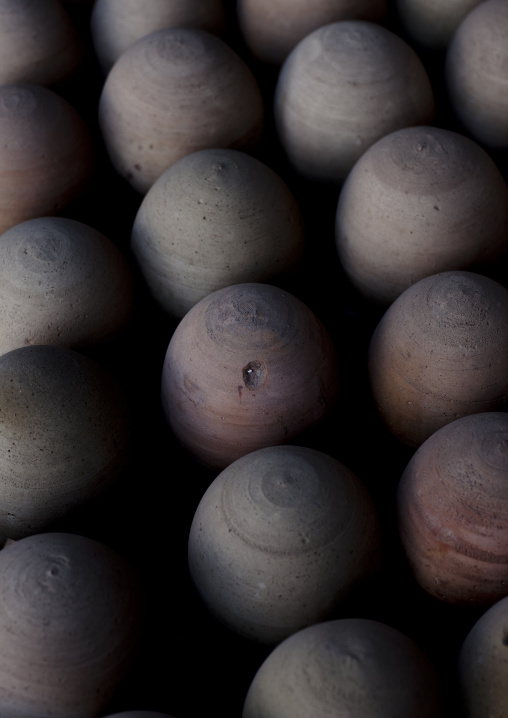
(215, 218)
(347, 667)
(421, 200)
(483, 664)
(64, 435)
(430, 24)
(46, 153)
(272, 28)
(70, 615)
(54, 50)
(453, 511)
(173, 92)
(342, 88)
(440, 352)
(279, 538)
(116, 24)
(61, 283)
(475, 73)
(248, 366)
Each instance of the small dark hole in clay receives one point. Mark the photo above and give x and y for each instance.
(505, 639)
(254, 374)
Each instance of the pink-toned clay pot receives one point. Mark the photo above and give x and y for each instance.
(173, 92)
(453, 511)
(248, 366)
(440, 352)
(70, 619)
(46, 153)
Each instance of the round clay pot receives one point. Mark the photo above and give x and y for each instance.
(117, 24)
(345, 667)
(46, 153)
(248, 366)
(271, 40)
(173, 92)
(344, 86)
(64, 435)
(61, 283)
(70, 615)
(453, 511)
(279, 538)
(440, 352)
(475, 73)
(431, 23)
(419, 201)
(214, 218)
(39, 42)
(483, 664)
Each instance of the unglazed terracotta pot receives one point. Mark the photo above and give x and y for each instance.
(475, 73)
(346, 667)
(46, 153)
(64, 435)
(342, 88)
(214, 218)
(483, 664)
(39, 42)
(279, 538)
(117, 24)
(70, 617)
(419, 201)
(248, 366)
(431, 23)
(173, 92)
(61, 283)
(272, 28)
(440, 352)
(453, 510)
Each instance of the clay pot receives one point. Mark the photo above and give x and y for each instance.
(173, 92)
(453, 511)
(483, 664)
(431, 23)
(46, 153)
(476, 73)
(440, 352)
(419, 201)
(271, 40)
(39, 42)
(117, 24)
(248, 366)
(70, 613)
(344, 86)
(346, 667)
(279, 538)
(64, 435)
(214, 218)
(61, 283)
